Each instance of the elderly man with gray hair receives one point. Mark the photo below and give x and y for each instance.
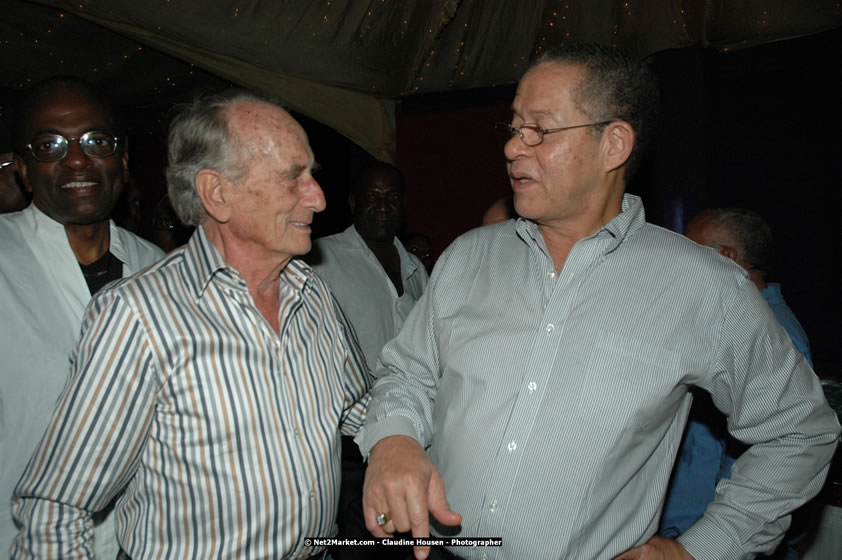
(209, 391)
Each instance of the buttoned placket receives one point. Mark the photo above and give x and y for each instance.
(291, 300)
(560, 294)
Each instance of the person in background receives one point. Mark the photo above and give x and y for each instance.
(54, 255)
(500, 210)
(374, 278)
(376, 282)
(168, 232)
(707, 453)
(12, 198)
(129, 210)
(538, 391)
(420, 245)
(745, 237)
(208, 391)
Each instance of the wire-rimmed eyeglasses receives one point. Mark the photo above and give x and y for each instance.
(53, 147)
(532, 134)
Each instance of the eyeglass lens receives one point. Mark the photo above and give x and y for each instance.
(530, 134)
(53, 147)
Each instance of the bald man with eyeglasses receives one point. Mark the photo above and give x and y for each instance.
(54, 255)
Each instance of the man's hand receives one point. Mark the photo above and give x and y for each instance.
(657, 548)
(402, 481)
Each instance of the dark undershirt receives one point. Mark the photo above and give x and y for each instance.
(102, 271)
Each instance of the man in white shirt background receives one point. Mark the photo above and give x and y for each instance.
(377, 282)
(54, 255)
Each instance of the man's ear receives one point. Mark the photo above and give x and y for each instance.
(211, 190)
(352, 203)
(619, 138)
(23, 171)
(124, 161)
(729, 252)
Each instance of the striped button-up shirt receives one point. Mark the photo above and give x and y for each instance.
(554, 403)
(219, 437)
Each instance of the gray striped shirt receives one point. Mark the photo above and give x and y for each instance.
(553, 404)
(222, 436)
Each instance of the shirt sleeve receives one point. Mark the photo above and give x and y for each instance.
(93, 444)
(775, 404)
(357, 375)
(407, 376)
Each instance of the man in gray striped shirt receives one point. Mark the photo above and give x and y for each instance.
(539, 389)
(211, 388)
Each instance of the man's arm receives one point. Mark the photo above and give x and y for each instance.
(93, 444)
(775, 404)
(357, 375)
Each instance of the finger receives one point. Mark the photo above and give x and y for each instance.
(421, 552)
(437, 502)
(389, 529)
(419, 525)
(370, 514)
(388, 526)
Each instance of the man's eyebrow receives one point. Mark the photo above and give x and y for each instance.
(534, 115)
(297, 169)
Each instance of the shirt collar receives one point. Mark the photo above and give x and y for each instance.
(203, 262)
(408, 265)
(44, 224)
(630, 219)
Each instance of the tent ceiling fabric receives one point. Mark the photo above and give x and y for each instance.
(337, 60)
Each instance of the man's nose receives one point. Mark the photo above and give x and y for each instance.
(514, 147)
(75, 158)
(315, 197)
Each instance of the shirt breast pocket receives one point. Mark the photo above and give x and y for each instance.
(629, 384)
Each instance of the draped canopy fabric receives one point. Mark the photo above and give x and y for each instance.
(341, 62)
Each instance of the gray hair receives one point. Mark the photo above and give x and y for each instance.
(200, 138)
(747, 229)
(616, 86)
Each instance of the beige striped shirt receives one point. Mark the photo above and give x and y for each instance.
(220, 437)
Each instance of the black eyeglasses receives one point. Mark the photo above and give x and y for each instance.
(53, 147)
(533, 135)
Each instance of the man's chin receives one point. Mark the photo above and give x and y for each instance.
(85, 219)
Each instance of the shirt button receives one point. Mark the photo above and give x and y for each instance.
(532, 386)
(492, 506)
(551, 275)
(549, 328)
(297, 432)
(512, 446)
(483, 557)
(312, 494)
